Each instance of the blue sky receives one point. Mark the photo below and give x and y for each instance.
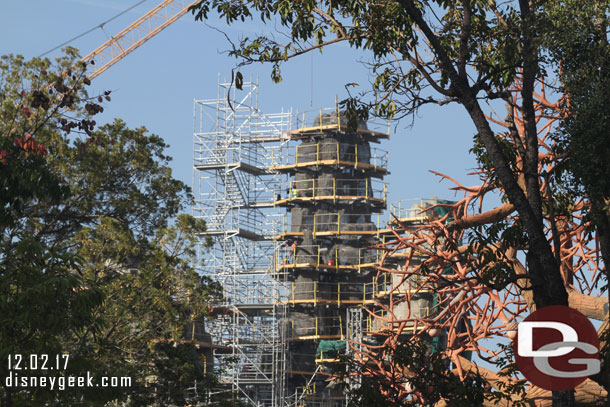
(156, 84)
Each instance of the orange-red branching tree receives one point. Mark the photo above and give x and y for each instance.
(472, 259)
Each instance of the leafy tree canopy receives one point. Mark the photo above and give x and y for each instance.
(95, 256)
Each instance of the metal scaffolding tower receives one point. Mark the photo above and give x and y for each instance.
(235, 193)
(295, 283)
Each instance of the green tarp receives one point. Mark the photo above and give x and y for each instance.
(330, 349)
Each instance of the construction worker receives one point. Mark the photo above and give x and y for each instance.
(295, 191)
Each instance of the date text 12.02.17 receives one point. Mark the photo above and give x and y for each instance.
(38, 362)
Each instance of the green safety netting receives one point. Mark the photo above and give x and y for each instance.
(330, 349)
(441, 211)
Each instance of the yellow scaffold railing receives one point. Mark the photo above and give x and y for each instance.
(346, 154)
(337, 258)
(326, 224)
(316, 328)
(353, 293)
(374, 191)
(320, 120)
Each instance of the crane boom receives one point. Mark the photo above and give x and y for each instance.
(136, 34)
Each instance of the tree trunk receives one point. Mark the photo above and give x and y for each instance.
(547, 283)
(602, 224)
(563, 398)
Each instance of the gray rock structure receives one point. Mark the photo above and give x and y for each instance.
(334, 193)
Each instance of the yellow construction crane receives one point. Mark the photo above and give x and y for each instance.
(136, 34)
